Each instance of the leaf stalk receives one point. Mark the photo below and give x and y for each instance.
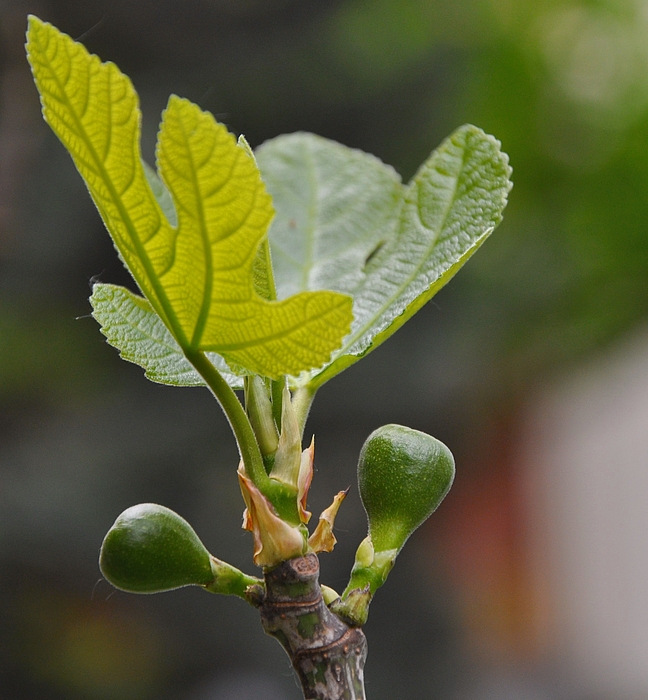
(302, 402)
(238, 419)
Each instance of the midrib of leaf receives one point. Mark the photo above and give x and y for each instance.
(209, 263)
(264, 250)
(354, 337)
(99, 164)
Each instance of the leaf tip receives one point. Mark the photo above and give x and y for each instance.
(175, 100)
(37, 29)
(34, 24)
(242, 143)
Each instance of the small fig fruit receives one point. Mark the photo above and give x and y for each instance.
(151, 549)
(403, 475)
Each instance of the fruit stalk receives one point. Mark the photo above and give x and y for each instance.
(327, 654)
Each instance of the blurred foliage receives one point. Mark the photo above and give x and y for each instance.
(44, 352)
(565, 87)
(84, 654)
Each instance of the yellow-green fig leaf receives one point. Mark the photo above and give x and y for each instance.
(199, 275)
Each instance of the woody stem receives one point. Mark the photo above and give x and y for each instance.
(327, 654)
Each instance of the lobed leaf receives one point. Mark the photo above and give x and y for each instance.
(346, 222)
(198, 276)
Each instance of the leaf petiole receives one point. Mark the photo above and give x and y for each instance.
(302, 402)
(238, 420)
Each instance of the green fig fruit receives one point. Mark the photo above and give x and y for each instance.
(151, 549)
(403, 475)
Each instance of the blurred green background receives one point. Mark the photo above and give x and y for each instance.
(563, 85)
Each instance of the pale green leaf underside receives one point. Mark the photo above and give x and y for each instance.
(198, 275)
(131, 325)
(346, 222)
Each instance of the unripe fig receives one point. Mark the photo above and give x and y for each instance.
(403, 475)
(151, 549)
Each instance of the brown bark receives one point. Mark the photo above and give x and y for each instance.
(327, 654)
